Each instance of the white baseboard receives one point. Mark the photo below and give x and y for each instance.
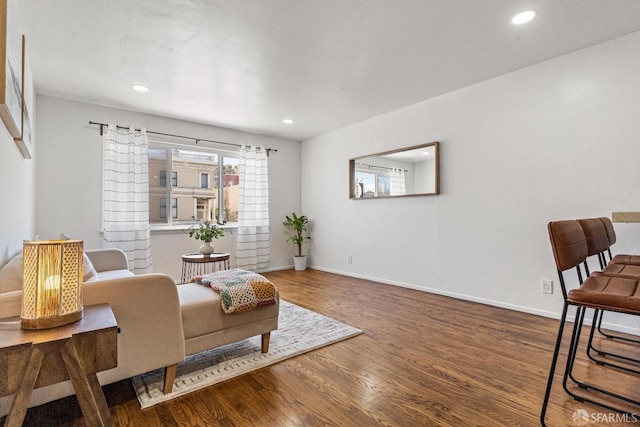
(471, 298)
(266, 270)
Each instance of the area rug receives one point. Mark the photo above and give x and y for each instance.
(299, 331)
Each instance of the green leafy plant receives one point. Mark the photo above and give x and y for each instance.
(297, 224)
(205, 231)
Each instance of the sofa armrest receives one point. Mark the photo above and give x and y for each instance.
(148, 313)
(10, 304)
(108, 259)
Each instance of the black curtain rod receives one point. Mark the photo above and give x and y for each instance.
(102, 125)
(381, 167)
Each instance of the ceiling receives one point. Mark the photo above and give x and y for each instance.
(248, 64)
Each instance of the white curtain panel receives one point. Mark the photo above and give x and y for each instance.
(397, 183)
(253, 244)
(126, 195)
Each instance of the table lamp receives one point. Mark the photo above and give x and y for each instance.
(52, 288)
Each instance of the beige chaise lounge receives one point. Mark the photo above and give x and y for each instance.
(160, 323)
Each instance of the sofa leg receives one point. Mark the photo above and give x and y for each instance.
(169, 377)
(265, 342)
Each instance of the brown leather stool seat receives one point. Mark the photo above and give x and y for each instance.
(611, 235)
(608, 293)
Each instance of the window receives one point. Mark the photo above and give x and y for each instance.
(174, 207)
(163, 208)
(230, 186)
(384, 185)
(163, 179)
(204, 180)
(374, 184)
(368, 181)
(200, 194)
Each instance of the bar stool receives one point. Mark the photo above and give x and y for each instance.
(599, 292)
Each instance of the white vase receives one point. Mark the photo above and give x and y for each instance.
(300, 263)
(206, 248)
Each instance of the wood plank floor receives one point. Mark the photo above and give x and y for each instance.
(424, 360)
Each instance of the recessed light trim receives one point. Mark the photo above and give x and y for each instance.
(288, 121)
(524, 17)
(139, 88)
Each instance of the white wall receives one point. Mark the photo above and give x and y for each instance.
(553, 141)
(424, 176)
(70, 171)
(17, 196)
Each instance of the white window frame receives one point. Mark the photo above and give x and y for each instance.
(169, 189)
(376, 174)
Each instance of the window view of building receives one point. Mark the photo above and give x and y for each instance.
(194, 191)
(374, 184)
(163, 208)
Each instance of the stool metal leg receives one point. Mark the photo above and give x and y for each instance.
(554, 361)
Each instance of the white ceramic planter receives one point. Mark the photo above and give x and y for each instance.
(206, 249)
(300, 263)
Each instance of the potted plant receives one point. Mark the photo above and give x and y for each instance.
(205, 231)
(298, 225)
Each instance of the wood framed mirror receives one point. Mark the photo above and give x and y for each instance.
(405, 172)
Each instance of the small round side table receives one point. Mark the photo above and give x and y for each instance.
(199, 264)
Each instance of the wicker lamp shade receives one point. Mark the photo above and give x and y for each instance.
(52, 288)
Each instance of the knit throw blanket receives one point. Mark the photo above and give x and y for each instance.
(240, 290)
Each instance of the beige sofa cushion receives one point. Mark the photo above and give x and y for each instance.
(88, 270)
(90, 273)
(111, 274)
(202, 312)
(11, 275)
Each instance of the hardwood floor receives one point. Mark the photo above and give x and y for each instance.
(424, 360)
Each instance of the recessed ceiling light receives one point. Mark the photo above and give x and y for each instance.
(523, 17)
(288, 121)
(140, 88)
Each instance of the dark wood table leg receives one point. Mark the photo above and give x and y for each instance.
(21, 399)
(100, 399)
(82, 386)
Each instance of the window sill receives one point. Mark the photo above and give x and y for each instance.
(172, 229)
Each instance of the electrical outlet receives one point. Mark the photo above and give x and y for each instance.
(547, 286)
(349, 259)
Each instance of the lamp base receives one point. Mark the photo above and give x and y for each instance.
(51, 322)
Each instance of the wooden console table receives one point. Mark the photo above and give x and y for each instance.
(625, 217)
(199, 264)
(36, 358)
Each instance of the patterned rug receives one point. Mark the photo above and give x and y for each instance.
(299, 331)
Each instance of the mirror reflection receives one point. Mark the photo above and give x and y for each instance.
(411, 171)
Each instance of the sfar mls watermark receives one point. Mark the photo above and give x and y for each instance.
(582, 418)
